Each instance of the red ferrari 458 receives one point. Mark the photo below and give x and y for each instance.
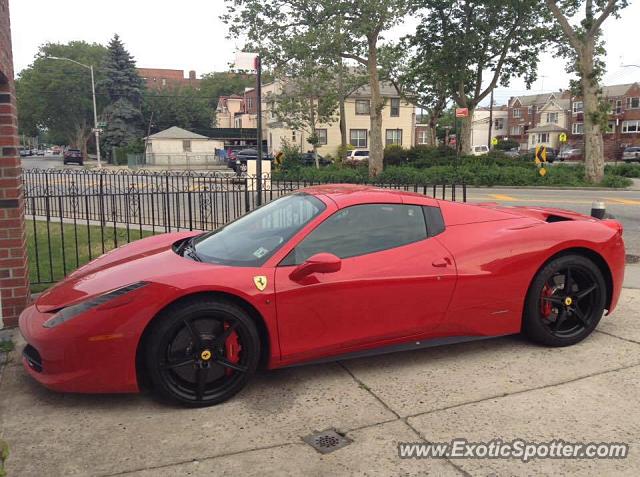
(326, 273)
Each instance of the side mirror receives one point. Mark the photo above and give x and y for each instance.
(319, 263)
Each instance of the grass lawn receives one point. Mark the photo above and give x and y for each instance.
(45, 266)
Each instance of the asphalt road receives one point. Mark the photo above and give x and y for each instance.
(624, 205)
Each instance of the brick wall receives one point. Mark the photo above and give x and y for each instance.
(14, 279)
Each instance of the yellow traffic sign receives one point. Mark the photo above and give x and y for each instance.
(541, 154)
(542, 171)
(563, 137)
(494, 141)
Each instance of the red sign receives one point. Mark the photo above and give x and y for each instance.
(462, 112)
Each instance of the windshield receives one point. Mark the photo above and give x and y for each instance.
(253, 238)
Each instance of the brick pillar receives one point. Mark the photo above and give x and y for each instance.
(14, 279)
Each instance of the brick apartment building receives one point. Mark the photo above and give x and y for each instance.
(14, 279)
(157, 78)
(541, 118)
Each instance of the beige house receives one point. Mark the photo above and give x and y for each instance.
(552, 121)
(398, 120)
(176, 146)
(481, 121)
(398, 123)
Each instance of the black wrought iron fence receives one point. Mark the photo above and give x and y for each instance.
(74, 216)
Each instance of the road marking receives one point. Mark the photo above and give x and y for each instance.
(624, 201)
(503, 197)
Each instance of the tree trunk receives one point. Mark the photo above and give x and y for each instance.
(593, 145)
(312, 117)
(342, 112)
(432, 138)
(463, 138)
(376, 149)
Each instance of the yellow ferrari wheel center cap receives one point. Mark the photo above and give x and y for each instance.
(568, 301)
(205, 355)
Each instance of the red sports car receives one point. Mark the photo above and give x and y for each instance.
(326, 273)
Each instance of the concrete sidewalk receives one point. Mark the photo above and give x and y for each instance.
(501, 388)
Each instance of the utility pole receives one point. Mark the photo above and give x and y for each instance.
(258, 67)
(490, 120)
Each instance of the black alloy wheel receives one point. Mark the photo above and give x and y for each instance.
(565, 301)
(202, 352)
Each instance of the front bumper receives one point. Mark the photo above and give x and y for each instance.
(75, 357)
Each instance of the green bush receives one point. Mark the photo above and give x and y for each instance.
(395, 155)
(291, 157)
(624, 170)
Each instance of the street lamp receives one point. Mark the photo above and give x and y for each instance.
(95, 109)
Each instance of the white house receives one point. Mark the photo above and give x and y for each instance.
(179, 147)
(480, 125)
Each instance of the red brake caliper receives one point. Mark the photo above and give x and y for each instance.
(232, 349)
(545, 305)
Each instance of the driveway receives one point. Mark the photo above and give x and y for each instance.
(500, 388)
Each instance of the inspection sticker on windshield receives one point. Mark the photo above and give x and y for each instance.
(261, 252)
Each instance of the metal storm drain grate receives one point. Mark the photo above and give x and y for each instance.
(327, 441)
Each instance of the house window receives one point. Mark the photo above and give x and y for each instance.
(394, 136)
(543, 137)
(322, 137)
(164, 81)
(633, 103)
(552, 118)
(577, 128)
(530, 110)
(186, 145)
(630, 127)
(423, 136)
(249, 104)
(611, 127)
(395, 107)
(358, 137)
(578, 107)
(516, 130)
(517, 113)
(498, 123)
(293, 136)
(363, 106)
(618, 106)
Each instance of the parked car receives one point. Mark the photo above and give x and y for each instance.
(309, 160)
(40, 152)
(570, 155)
(631, 154)
(552, 154)
(73, 155)
(238, 161)
(352, 269)
(25, 152)
(479, 150)
(515, 152)
(358, 155)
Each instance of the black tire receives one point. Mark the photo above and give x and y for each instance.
(555, 316)
(188, 331)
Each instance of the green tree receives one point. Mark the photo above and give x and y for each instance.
(123, 87)
(461, 41)
(581, 43)
(55, 96)
(214, 85)
(349, 29)
(186, 108)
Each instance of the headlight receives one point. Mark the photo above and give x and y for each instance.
(72, 311)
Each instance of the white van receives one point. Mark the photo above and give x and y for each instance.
(479, 150)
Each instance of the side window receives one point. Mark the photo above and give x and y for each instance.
(435, 221)
(362, 229)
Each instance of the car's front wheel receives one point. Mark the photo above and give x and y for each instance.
(565, 301)
(202, 352)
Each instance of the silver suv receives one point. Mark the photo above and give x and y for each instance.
(631, 154)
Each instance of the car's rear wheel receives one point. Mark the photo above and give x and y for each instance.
(565, 301)
(202, 352)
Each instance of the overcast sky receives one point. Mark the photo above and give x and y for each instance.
(188, 35)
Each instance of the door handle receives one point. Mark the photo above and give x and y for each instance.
(441, 263)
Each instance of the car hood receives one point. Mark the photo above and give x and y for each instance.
(138, 261)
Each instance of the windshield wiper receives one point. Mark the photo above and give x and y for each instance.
(188, 248)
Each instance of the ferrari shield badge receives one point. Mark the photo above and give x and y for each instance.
(260, 281)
